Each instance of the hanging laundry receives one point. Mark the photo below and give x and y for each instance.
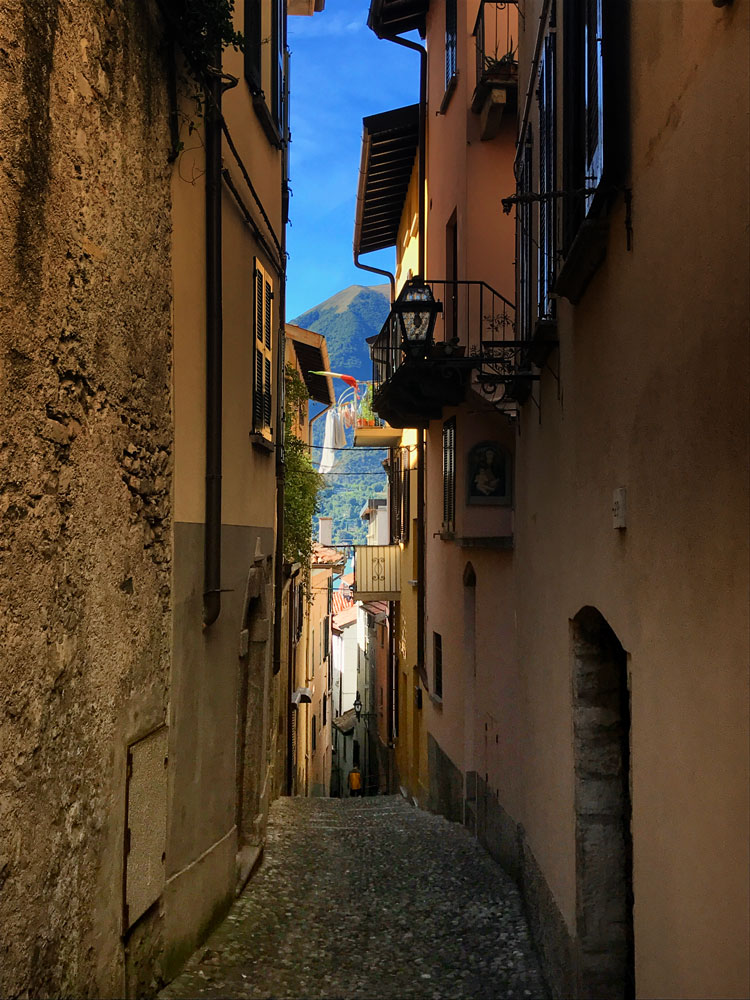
(334, 437)
(348, 415)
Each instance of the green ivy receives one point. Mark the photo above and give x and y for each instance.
(303, 483)
(204, 28)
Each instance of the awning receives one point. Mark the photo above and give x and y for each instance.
(302, 696)
(389, 149)
(392, 17)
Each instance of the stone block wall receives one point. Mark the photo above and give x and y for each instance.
(85, 471)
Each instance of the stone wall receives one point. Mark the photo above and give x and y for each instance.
(85, 471)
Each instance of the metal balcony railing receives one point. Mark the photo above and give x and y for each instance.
(476, 328)
(496, 37)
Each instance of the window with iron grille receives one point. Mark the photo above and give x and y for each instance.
(263, 352)
(451, 41)
(547, 179)
(523, 237)
(278, 50)
(587, 99)
(253, 33)
(449, 475)
(437, 664)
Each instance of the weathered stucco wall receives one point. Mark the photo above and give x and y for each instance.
(85, 460)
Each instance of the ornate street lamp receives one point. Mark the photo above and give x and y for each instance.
(417, 311)
(358, 706)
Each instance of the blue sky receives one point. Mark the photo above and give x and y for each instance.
(340, 72)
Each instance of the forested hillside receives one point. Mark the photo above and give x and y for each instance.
(346, 320)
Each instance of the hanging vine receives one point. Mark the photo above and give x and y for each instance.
(303, 483)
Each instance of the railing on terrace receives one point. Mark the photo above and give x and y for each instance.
(496, 35)
(475, 328)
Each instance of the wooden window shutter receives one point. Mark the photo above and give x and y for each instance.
(405, 505)
(263, 352)
(449, 474)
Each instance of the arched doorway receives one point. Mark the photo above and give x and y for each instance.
(604, 865)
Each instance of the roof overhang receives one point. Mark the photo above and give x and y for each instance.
(393, 17)
(312, 355)
(389, 150)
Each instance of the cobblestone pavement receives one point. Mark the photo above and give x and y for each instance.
(368, 898)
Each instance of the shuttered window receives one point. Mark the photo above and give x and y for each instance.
(547, 178)
(524, 237)
(394, 497)
(405, 504)
(263, 352)
(449, 475)
(451, 40)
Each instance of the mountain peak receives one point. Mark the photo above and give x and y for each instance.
(341, 301)
(346, 319)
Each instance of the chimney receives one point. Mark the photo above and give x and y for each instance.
(325, 530)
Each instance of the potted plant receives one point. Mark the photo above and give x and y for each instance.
(366, 412)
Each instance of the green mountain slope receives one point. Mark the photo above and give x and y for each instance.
(346, 320)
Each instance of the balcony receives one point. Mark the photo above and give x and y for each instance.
(370, 430)
(377, 573)
(496, 90)
(471, 345)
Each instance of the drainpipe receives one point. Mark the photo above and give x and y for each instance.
(212, 535)
(421, 274)
(422, 138)
(278, 574)
(377, 270)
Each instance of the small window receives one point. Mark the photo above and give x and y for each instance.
(325, 709)
(437, 650)
(451, 41)
(449, 475)
(314, 733)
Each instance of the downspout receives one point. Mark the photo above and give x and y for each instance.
(421, 562)
(421, 273)
(377, 270)
(212, 535)
(416, 47)
(278, 574)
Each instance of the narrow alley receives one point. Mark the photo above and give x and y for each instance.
(368, 898)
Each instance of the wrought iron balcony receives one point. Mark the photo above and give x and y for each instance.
(496, 38)
(472, 343)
